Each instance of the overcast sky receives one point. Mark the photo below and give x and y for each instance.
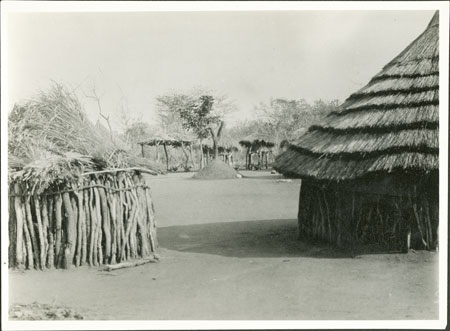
(249, 56)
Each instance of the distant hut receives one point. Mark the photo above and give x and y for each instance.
(258, 150)
(228, 145)
(370, 169)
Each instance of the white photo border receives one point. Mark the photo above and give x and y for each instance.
(8, 7)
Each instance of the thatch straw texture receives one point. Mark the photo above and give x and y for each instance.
(55, 121)
(162, 138)
(53, 124)
(389, 125)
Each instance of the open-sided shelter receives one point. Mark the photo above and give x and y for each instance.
(370, 170)
(259, 149)
(161, 138)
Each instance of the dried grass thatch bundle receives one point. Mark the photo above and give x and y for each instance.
(55, 170)
(55, 121)
(145, 163)
(389, 125)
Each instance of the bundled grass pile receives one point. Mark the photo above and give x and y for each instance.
(216, 170)
(144, 163)
(55, 121)
(387, 132)
(75, 198)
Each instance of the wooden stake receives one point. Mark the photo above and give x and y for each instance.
(167, 156)
(113, 217)
(58, 218)
(37, 207)
(130, 264)
(85, 228)
(330, 235)
(81, 216)
(29, 249)
(51, 238)
(45, 228)
(417, 218)
(98, 230)
(428, 223)
(31, 229)
(105, 221)
(70, 243)
(19, 226)
(92, 228)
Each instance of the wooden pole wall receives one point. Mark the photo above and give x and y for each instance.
(342, 218)
(103, 219)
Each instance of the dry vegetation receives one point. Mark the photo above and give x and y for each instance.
(76, 196)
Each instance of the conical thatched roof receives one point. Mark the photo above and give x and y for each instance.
(390, 124)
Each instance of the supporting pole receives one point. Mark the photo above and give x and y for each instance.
(246, 159)
(191, 156)
(167, 156)
(202, 156)
(142, 150)
(408, 239)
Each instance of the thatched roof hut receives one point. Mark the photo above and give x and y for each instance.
(259, 144)
(385, 135)
(257, 140)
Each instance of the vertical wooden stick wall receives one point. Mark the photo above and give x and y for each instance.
(103, 219)
(394, 222)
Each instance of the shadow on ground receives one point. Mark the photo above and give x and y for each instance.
(268, 238)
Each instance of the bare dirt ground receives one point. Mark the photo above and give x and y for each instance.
(229, 251)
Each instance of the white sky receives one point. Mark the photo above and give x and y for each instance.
(249, 56)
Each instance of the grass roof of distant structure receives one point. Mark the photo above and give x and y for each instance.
(161, 138)
(227, 144)
(216, 170)
(256, 144)
(389, 125)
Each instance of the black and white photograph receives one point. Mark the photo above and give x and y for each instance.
(224, 165)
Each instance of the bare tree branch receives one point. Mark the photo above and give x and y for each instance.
(96, 98)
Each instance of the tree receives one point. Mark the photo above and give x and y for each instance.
(136, 132)
(201, 114)
(168, 108)
(285, 120)
(201, 119)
